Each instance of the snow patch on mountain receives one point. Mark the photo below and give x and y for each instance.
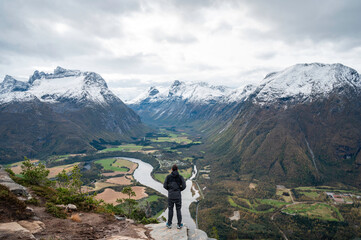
(62, 85)
(305, 82)
(193, 92)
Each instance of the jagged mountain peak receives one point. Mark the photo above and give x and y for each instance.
(59, 72)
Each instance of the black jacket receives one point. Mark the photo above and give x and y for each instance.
(174, 183)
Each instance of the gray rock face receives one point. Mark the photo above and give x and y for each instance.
(196, 234)
(15, 188)
(161, 232)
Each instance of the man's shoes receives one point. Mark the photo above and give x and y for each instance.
(179, 226)
(168, 225)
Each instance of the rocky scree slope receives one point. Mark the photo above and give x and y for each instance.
(61, 112)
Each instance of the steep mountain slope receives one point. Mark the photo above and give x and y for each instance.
(300, 125)
(59, 113)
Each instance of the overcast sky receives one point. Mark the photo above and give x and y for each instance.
(137, 44)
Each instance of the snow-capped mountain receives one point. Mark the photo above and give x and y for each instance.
(194, 92)
(294, 85)
(181, 102)
(62, 85)
(300, 125)
(306, 82)
(61, 112)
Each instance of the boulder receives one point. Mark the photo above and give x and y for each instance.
(33, 227)
(71, 208)
(14, 231)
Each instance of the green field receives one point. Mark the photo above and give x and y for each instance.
(152, 198)
(317, 210)
(172, 138)
(252, 207)
(160, 177)
(186, 173)
(112, 164)
(313, 195)
(127, 148)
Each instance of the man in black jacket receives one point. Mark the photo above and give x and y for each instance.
(174, 183)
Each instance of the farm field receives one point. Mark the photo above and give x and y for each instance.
(113, 164)
(186, 173)
(58, 169)
(110, 196)
(127, 148)
(317, 210)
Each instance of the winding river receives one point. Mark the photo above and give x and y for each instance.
(143, 175)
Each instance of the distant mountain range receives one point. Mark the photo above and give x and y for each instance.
(301, 124)
(61, 112)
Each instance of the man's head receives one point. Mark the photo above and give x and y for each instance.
(174, 168)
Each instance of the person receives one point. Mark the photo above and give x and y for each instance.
(174, 183)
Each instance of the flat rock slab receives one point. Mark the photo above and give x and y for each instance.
(14, 230)
(161, 232)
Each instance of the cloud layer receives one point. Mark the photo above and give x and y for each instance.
(135, 44)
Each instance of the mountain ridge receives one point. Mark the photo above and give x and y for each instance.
(61, 112)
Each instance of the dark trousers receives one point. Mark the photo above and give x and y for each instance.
(178, 205)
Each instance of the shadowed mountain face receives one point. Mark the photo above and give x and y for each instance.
(61, 113)
(290, 136)
(309, 143)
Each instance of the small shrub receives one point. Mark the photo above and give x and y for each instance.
(10, 172)
(55, 211)
(263, 207)
(33, 201)
(34, 174)
(148, 220)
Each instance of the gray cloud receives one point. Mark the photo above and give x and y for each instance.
(132, 40)
(321, 20)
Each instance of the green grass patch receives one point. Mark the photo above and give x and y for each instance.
(318, 211)
(160, 177)
(252, 206)
(313, 195)
(111, 164)
(172, 138)
(186, 173)
(153, 198)
(127, 148)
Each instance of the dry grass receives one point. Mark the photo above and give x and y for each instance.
(16, 167)
(56, 170)
(75, 217)
(124, 180)
(98, 186)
